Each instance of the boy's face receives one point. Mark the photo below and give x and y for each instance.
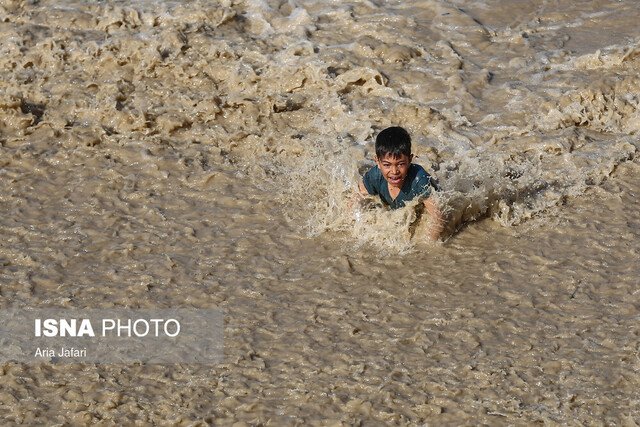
(394, 169)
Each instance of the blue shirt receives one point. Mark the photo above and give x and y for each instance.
(416, 184)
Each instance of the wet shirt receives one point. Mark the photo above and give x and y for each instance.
(416, 184)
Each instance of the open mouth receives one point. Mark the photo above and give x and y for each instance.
(393, 180)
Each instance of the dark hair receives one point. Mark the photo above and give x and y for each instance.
(393, 141)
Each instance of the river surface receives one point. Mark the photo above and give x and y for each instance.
(202, 154)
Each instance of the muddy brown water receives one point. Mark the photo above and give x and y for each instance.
(201, 155)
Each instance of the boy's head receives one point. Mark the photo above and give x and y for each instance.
(393, 155)
(394, 142)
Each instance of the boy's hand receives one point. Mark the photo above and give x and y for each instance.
(436, 219)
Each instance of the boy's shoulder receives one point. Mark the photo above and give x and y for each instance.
(428, 179)
(419, 177)
(418, 170)
(373, 180)
(374, 171)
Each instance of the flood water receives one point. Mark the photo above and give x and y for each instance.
(202, 154)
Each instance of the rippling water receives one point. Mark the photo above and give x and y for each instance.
(160, 154)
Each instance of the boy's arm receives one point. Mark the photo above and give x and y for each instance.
(436, 219)
(358, 195)
(363, 189)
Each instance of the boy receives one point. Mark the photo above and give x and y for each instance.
(397, 180)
